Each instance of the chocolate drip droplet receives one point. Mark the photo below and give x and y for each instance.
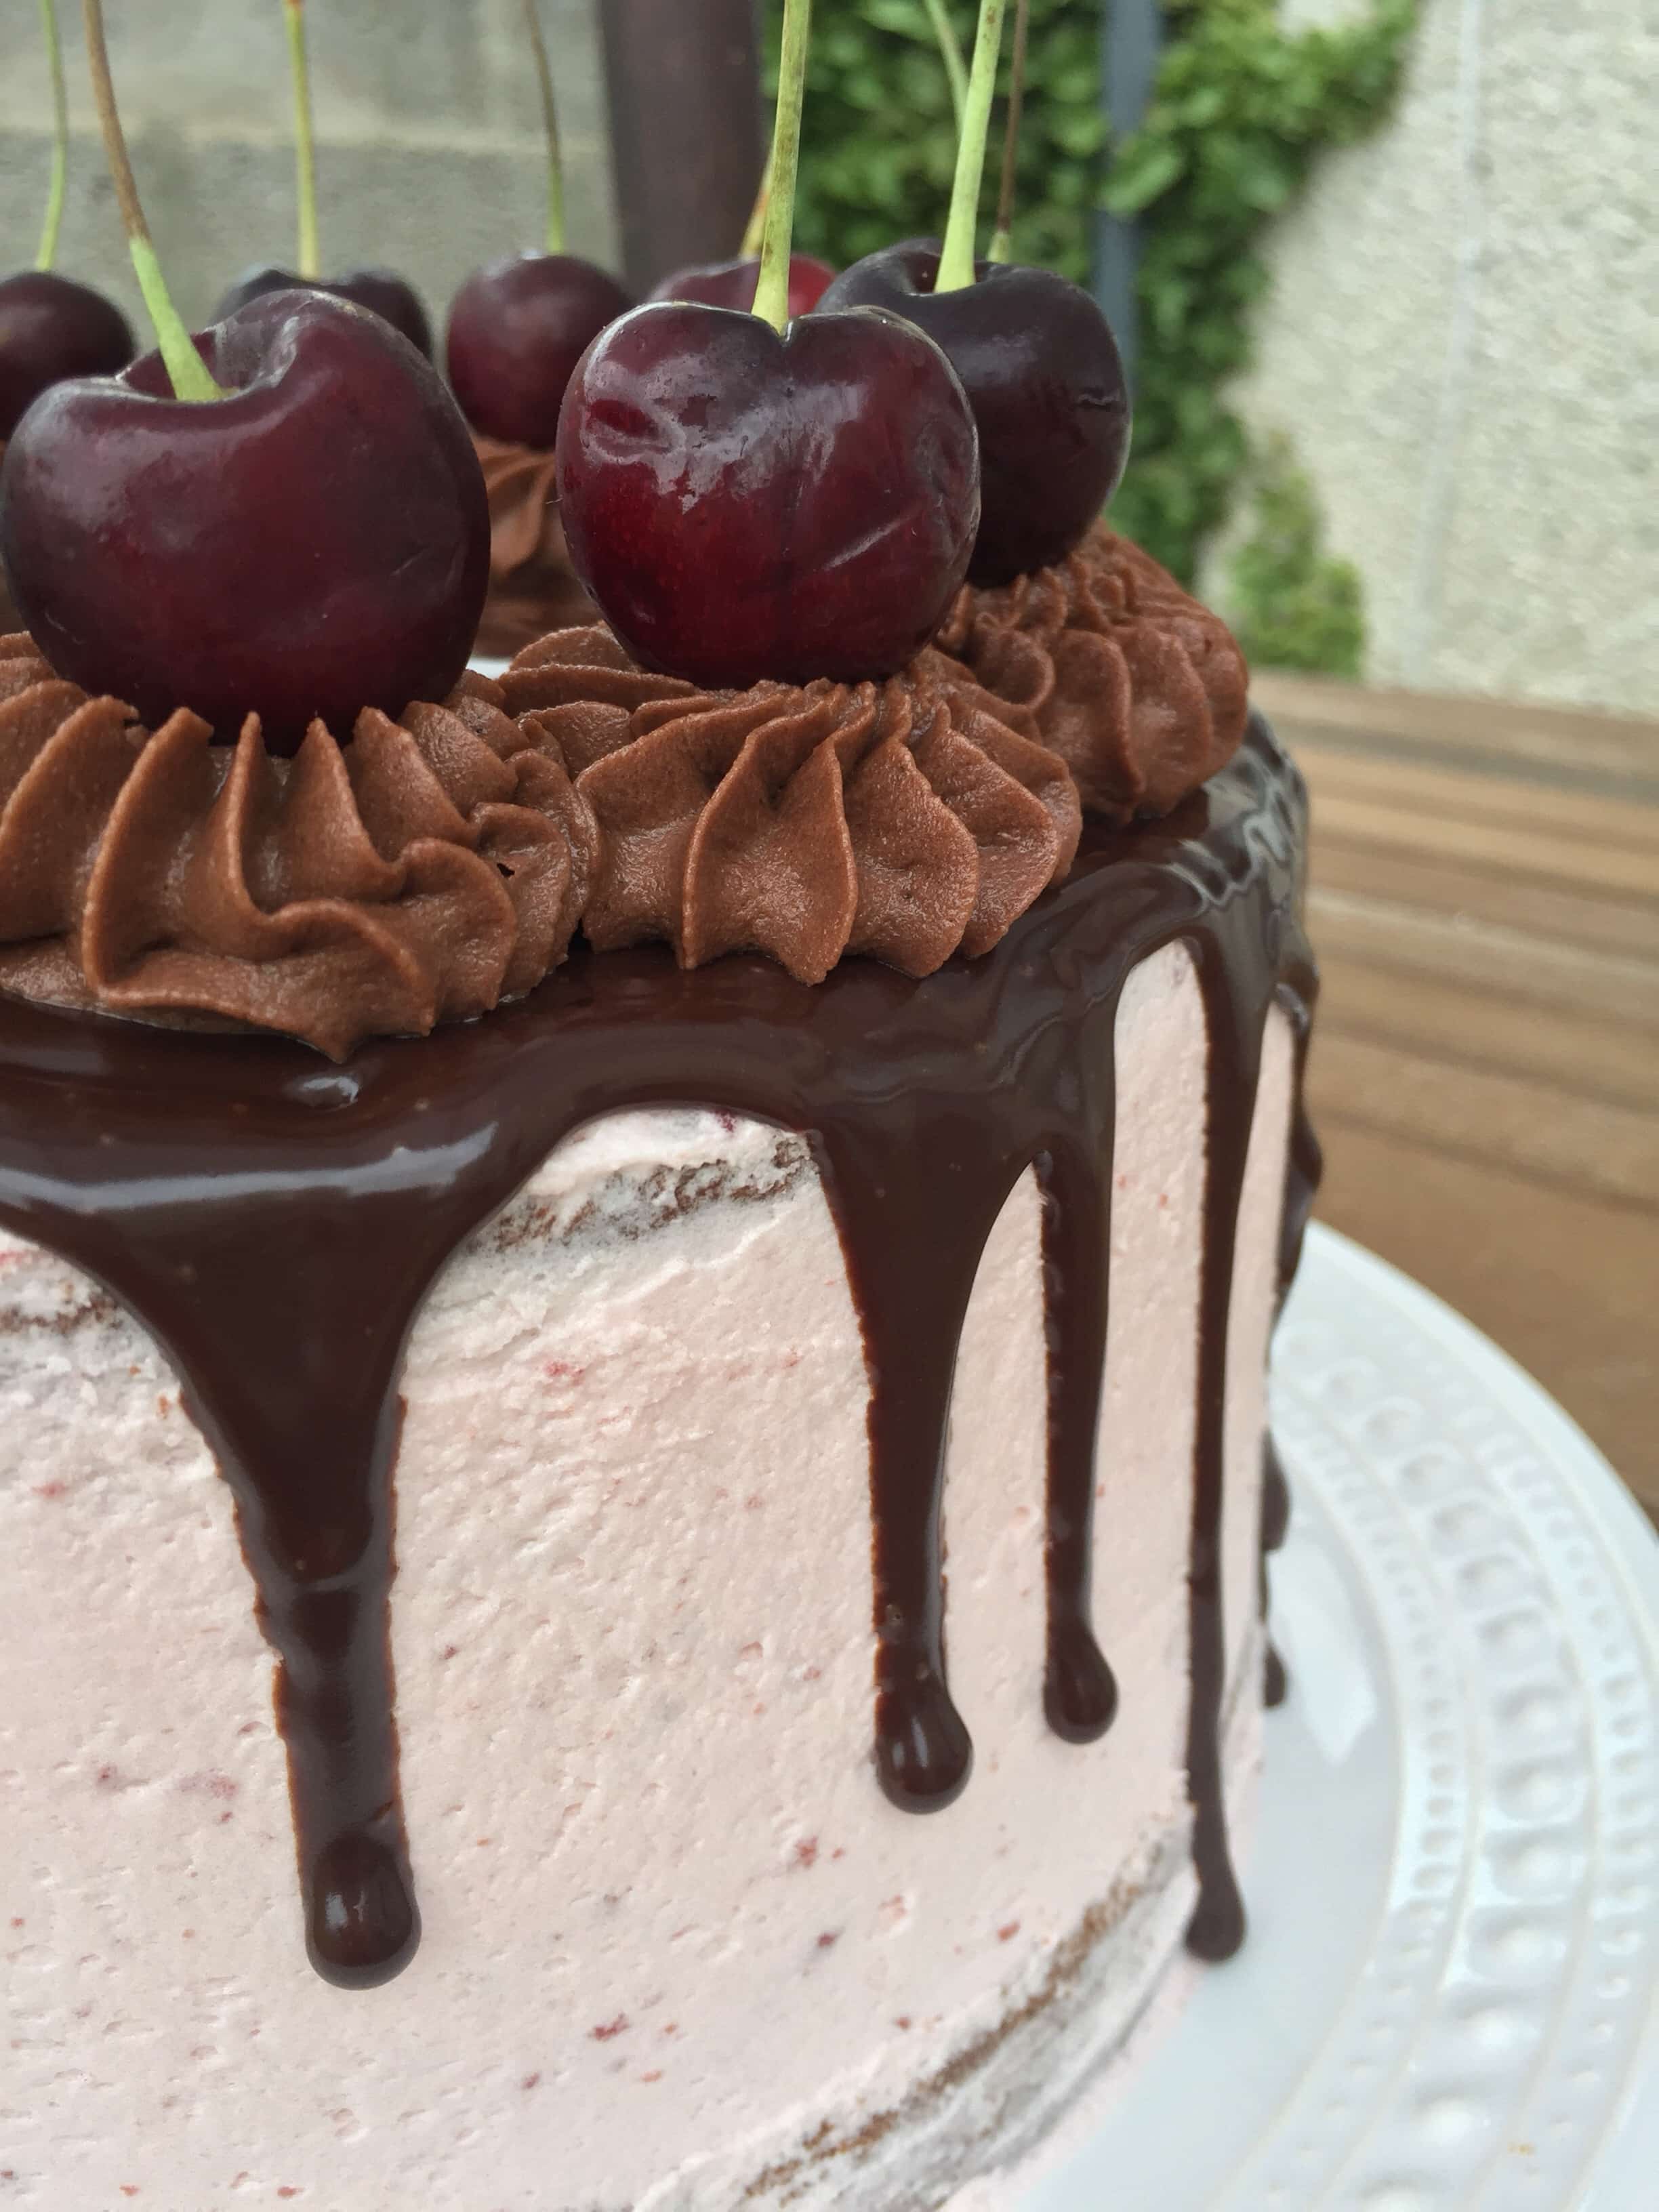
(1079, 1695)
(361, 1918)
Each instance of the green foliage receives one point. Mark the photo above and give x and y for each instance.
(880, 146)
(1293, 605)
(1242, 109)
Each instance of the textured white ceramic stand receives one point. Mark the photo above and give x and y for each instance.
(1449, 1996)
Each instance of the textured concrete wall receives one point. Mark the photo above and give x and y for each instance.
(429, 127)
(1463, 339)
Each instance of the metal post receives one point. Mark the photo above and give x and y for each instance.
(685, 128)
(1132, 39)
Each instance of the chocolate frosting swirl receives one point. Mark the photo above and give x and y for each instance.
(906, 820)
(1141, 691)
(431, 868)
(532, 586)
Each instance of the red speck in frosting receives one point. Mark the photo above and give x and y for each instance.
(1007, 1934)
(612, 2027)
(829, 1941)
(807, 1851)
(531, 2082)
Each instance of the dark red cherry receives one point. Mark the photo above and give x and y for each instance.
(1039, 365)
(315, 543)
(52, 328)
(379, 290)
(745, 505)
(516, 332)
(732, 284)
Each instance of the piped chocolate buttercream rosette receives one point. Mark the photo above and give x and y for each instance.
(420, 874)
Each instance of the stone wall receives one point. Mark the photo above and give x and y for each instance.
(429, 128)
(1463, 339)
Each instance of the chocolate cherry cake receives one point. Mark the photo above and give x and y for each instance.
(749, 1456)
(633, 1301)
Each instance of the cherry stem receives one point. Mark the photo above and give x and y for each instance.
(54, 221)
(754, 237)
(778, 236)
(957, 266)
(556, 224)
(305, 150)
(1002, 243)
(950, 46)
(186, 370)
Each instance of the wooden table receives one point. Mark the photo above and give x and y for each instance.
(1485, 904)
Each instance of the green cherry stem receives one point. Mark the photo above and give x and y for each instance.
(310, 264)
(956, 262)
(755, 236)
(185, 368)
(54, 221)
(1002, 242)
(949, 47)
(556, 233)
(778, 236)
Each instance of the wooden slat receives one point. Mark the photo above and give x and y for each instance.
(1552, 745)
(1573, 1050)
(1427, 788)
(1541, 856)
(1526, 1127)
(1515, 902)
(1485, 957)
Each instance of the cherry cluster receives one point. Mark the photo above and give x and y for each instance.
(768, 471)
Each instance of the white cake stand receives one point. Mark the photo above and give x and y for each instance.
(1448, 1995)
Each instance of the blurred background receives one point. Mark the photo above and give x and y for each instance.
(1388, 272)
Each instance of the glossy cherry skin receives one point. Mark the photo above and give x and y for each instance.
(516, 332)
(52, 328)
(744, 505)
(316, 543)
(379, 290)
(732, 284)
(1039, 365)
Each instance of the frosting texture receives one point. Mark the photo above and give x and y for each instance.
(532, 586)
(907, 820)
(420, 874)
(1141, 691)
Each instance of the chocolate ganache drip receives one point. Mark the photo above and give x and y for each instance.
(155, 1161)
(420, 874)
(1304, 1171)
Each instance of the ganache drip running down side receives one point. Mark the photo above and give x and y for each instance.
(157, 1161)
